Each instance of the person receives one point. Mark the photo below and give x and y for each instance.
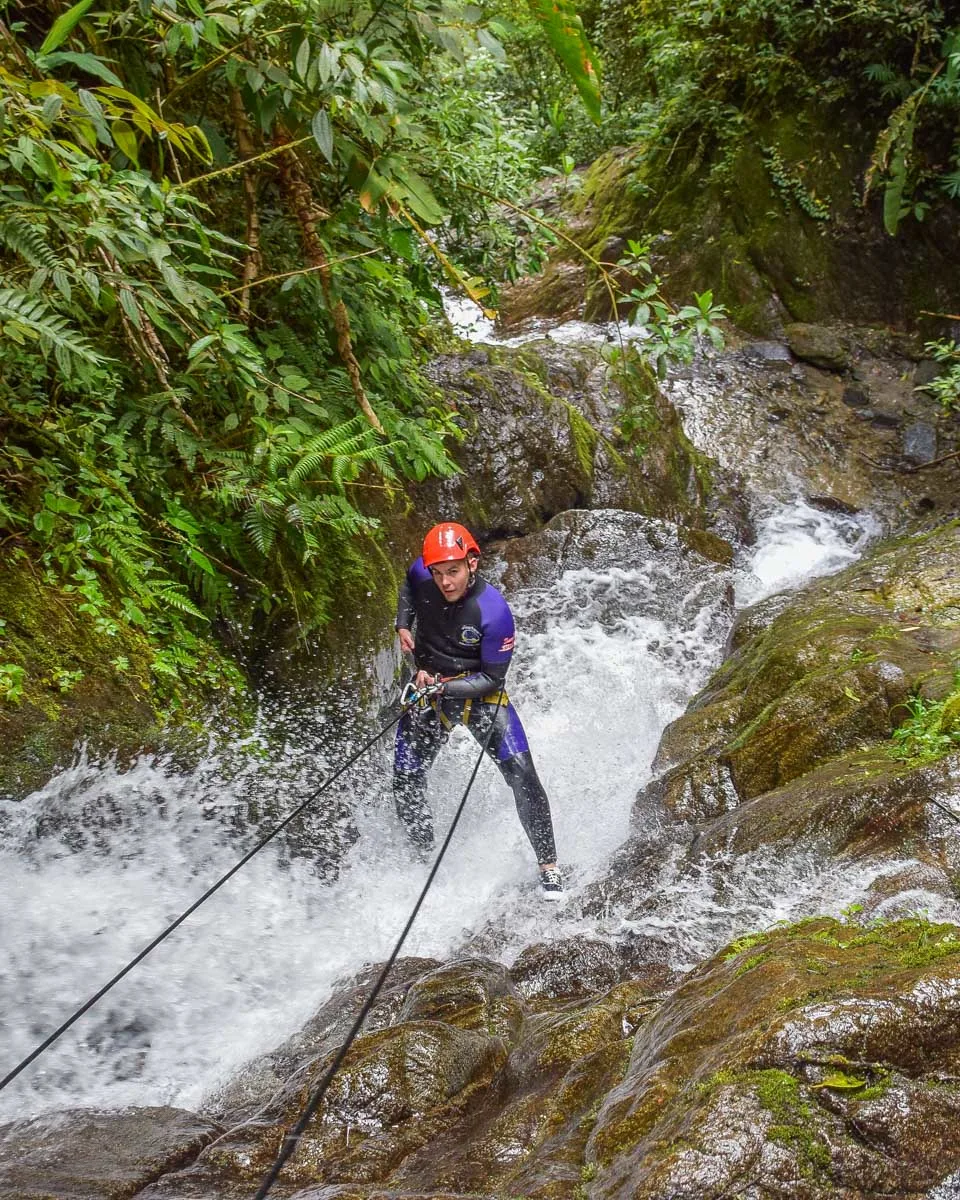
(460, 632)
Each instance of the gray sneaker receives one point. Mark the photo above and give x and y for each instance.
(551, 883)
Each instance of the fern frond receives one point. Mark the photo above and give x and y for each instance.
(28, 240)
(173, 595)
(261, 526)
(24, 316)
(341, 441)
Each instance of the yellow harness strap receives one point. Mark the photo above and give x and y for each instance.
(499, 698)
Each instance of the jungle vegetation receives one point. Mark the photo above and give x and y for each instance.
(224, 225)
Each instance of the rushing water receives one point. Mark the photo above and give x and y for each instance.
(601, 668)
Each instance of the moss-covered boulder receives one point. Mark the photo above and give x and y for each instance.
(758, 1072)
(812, 1061)
(829, 676)
(66, 684)
(549, 427)
(777, 229)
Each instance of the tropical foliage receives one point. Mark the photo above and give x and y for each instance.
(222, 229)
(691, 80)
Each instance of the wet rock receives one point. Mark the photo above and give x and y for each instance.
(882, 419)
(789, 431)
(475, 994)
(819, 345)
(396, 1090)
(920, 442)
(263, 1080)
(550, 427)
(526, 1135)
(620, 543)
(829, 675)
(772, 354)
(577, 966)
(90, 1155)
(767, 1064)
(559, 292)
(855, 397)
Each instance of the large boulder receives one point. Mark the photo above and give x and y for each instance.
(829, 675)
(551, 427)
(813, 1061)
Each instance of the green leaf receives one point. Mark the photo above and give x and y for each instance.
(91, 104)
(841, 1081)
(419, 196)
(51, 108)
(201, 560)
(90, 64)
(323, 134)
(893, 193)
(302, 61)
(129, 305)
(64, 25)
(564, 31)
(201, 344)
(328, 61)
(126, 139)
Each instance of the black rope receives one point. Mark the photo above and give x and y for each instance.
(292, 1139)
(62, 1029)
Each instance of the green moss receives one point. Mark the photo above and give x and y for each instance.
(584, 438)
(750, 963)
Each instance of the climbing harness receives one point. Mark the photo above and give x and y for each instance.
(292, 1139)
(407, 699)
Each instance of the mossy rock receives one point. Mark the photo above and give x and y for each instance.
(549, 428)
(80, 687)
(760, 1065)
(826, 676)
(776, 230)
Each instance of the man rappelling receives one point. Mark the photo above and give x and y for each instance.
(462, 649)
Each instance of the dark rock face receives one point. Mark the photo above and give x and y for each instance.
(550, 428)
(89, 1155)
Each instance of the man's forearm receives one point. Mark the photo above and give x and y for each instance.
(482, 683)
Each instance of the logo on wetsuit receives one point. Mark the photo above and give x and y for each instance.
(470, 636)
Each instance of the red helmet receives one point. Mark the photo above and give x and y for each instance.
(448, 542)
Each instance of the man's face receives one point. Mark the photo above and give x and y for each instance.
(453, 578)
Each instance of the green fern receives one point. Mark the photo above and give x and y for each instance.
(29, 241)
(261, 526)
(24, 317)
(173, 595)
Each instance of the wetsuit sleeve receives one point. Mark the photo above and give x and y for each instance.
(496, 650)
(405, 609)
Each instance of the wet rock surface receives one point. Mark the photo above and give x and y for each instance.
(848, 437)
(551, 427)
(89, 1155)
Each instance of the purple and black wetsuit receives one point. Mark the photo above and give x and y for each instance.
(471, 638)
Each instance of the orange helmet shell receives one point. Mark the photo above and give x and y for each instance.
(448, 542)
